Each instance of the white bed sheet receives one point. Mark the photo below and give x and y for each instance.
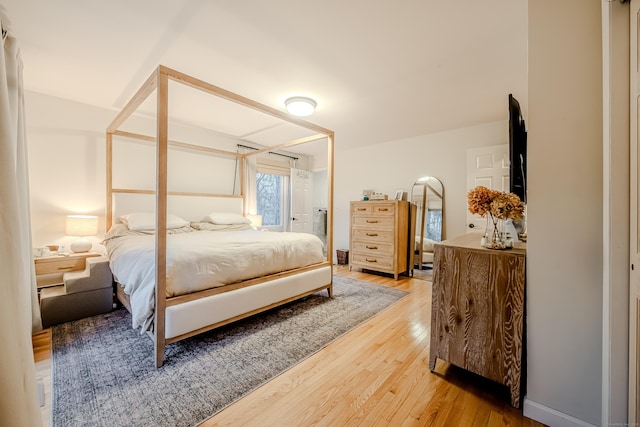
(204, 259)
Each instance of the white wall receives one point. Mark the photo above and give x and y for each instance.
(66, 149)
(564, 248)
(397, 165)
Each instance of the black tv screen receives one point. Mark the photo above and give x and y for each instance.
(517, 150)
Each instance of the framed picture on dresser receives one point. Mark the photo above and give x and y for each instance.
(399, 195)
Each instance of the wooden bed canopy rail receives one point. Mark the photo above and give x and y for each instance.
(158, 81)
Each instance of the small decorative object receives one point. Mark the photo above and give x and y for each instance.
(378, 196)
(497, 207)
(399, 195)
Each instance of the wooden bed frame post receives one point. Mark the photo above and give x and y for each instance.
(109, 213)
(161, 216)
(330, 164)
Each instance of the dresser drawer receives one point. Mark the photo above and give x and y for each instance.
(375, 249)
(385, 222)
(369, 208)
(361, 208)
(62, 264)
(384, 209)
(59, 265)
(373, 262)
(367, 235)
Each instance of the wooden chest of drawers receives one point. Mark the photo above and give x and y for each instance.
(379, 236)
(477, 312)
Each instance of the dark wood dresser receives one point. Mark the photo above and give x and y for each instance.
(477, 316)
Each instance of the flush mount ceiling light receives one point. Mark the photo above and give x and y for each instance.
(300, 106)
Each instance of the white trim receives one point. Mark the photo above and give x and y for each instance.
(550, 416)
(615, 213)
(606, 211)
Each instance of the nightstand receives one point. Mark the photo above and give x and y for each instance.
(49, 269)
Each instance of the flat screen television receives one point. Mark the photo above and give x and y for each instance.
(517, 150)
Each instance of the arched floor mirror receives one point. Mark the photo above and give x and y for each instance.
(427, 224)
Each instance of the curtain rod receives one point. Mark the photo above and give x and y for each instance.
(283, 155)
(270, 152)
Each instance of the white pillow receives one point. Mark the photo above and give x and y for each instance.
(147, 221)
(227, 218)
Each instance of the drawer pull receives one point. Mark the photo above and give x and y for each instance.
(362, 209)
(372, 234)
(372, 221)
(383, 209)
(371, 247)
(371, 260)
(65, 268)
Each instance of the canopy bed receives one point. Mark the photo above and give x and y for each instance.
(181, 295)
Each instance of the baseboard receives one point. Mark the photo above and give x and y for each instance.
(549, 416)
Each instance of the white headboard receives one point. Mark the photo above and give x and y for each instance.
(191, 208)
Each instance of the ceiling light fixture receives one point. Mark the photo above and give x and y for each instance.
(300, 106)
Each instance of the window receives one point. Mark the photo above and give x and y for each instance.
(269, 198)
(434, 224)
(272, 192)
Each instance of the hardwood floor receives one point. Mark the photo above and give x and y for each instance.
(376, 375)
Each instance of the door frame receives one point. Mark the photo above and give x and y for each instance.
(616, 213)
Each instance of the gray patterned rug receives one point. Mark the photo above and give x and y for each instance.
(103, 372)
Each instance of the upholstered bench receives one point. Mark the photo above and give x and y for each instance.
(83, 294)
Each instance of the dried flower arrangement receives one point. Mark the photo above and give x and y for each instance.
(498, 204)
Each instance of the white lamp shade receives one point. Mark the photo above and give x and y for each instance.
(256, 220)
(82, 226)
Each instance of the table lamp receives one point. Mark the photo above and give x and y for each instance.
(256, 220)
(81, 226)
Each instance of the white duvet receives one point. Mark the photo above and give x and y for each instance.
(204, 259)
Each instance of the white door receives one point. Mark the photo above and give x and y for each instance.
(634, 232)
(489, 167)
(301, 201)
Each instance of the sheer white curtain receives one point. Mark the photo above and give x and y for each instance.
(19, 314)
(249, 179)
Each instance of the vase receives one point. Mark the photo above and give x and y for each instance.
(494, 234)
(521, 226)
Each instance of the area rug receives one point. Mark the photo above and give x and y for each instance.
(103, 371)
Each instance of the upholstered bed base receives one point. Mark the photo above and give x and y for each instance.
(198, 315)
(223, 308)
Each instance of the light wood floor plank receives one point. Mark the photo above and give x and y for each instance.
(375, 375)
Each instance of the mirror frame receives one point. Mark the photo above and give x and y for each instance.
(428, 184)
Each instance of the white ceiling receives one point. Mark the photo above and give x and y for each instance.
(380, 70)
